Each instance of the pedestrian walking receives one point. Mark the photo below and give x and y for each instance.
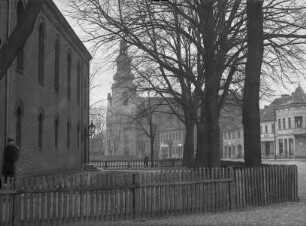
(146, 161)
(10, 156)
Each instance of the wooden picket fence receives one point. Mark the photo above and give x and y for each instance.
(121, 196)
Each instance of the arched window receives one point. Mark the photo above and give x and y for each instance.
(40, 127)
(68, 134)
(18, 125)
(56, 130)
(78, 136)
(20, 54)
(78, 83)
(56, 67)
(69, 76)
(41, 54)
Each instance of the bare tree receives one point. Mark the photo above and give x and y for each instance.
(17, 39)
(198, 47)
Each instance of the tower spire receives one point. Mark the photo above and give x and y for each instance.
(123, 63)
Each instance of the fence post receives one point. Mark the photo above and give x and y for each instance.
(134, 196)
(232, 189)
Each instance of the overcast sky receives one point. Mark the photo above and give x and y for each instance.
(104, 78)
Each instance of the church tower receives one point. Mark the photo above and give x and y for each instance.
(121, 136)
(123, 88)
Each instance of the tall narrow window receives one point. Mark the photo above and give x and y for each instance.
(78, 136)
(18, 126)
(78, 83)
(20, 54)
(41, 53)
(56, 127)
(40, 129)
(68, 134)
(279, 124)
(289, 123)
(298, 121)
(56, 67)
(284, 123)
(69, 76)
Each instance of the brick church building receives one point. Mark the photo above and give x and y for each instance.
(44, 96)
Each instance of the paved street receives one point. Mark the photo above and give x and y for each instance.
(281, 214)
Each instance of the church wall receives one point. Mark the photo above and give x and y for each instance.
(25, 91)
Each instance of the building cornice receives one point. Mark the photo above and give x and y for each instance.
(63, 27)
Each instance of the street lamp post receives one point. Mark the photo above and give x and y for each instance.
(91, 129)
(275, 123)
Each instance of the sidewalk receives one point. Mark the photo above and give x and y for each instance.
(281, 214)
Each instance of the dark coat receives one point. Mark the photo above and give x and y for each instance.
(10, 156)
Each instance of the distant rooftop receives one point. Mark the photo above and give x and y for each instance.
(297, 97)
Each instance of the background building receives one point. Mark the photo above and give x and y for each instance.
(45, 95)
(282, 126)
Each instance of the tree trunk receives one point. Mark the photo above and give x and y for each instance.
(210, 97)
(250, 106)
(152, 150)
(202, 150)
(188, 155)
(19, 36)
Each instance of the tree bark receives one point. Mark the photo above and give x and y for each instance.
(250, 106)
(209, 154)
(19, 36)
(188, 155)
(202, 154)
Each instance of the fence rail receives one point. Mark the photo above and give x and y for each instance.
(134, 164)
(109, 197)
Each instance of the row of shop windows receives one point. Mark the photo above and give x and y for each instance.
(285, 146)
(173, 152)
(233, 151)
(175, 135)
(265, 129)
(298, 122)
(232, 134)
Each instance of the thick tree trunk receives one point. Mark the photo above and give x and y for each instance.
(19, 36)
(202, 154)
(152, 150)
(210, 98)
(250, 107)
(188, 155)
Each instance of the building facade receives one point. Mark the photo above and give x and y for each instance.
(282, 128)
(45, 92)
